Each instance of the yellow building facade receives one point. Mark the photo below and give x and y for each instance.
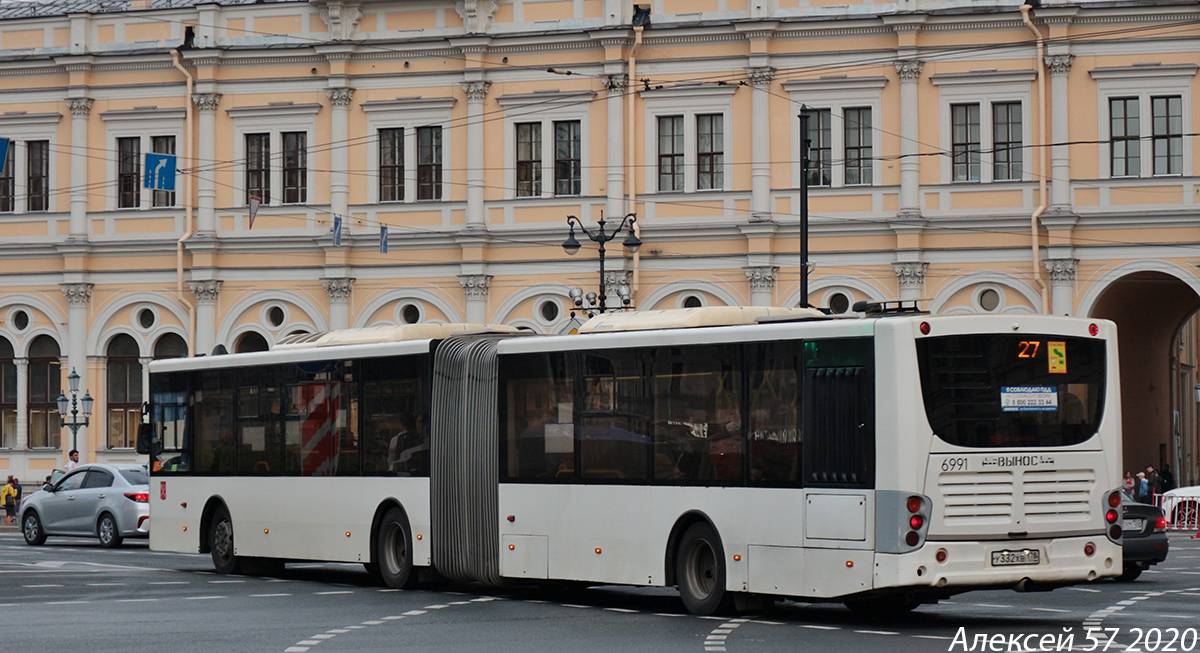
(961, 151)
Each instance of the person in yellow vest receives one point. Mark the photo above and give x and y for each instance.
(8, 497)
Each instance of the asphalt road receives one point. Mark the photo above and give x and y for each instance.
(73, 595)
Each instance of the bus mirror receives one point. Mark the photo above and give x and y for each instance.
(145, 432)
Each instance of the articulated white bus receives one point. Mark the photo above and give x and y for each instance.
(882, 461)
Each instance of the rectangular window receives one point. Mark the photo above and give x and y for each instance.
(45, 384)
(429, 163)
(710, 152)
(820, 147)
(774, 437)
(964, 130)
(1006, 141)
(698, 435)
(163, 145)
(858, 139)
(670, 153)
(295, 167)
(391, 165)
(537, 420)
(395, 412)
(839, 413)
(8, 403)
(258, 167)
(38, 188)
(129, 172)
(8, 187)
(529, 159)
(1125, 137)
(568, 156)
(124, 402)
(1168, 134)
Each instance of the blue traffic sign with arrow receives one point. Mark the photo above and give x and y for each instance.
(160, 171)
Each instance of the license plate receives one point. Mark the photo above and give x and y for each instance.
(1007, 558)
(1133, 525)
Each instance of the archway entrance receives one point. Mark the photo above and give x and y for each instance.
(1158, 400)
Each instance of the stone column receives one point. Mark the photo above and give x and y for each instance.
(22, 365)
(615, 180)
(475, 289)
(760, 166)
(339, 185)
(911, 276)
(476, 93)
(206, 293)
(80, 108)
(79, 296)
(339, 300)
(1060, 154)
(205, 160)
(762, 284)
(909, 72)
(1062, 285)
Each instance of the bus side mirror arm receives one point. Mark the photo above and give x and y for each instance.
(144, 435)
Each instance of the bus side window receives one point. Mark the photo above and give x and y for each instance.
(698, 414)
(537, 411)
(775, 400)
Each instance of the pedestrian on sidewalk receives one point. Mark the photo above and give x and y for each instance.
(20, 492)
(8, 497)
(73, 460)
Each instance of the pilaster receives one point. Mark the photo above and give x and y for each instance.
(910, 276)
(476, 288)
(760, 167)
(762, 281)
(81, 108)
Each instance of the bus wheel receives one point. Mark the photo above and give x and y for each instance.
(393, 550)
(700, 569)
(220, 539)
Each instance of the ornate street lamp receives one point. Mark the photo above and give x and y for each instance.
(598, 303)
(74, 405)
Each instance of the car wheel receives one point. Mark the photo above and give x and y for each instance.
(31, 527)
(393, 550)
(700, 571)
(110, 535)
(1130, 574)
(220, 540)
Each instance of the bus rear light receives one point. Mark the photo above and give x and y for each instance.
(1114, 499)
(914, 504)
(1160, 524)
(138, 497)
(1111, 516)
(916, 522)
(1089, 549)
(1114, 532)
(924, 328)
(941, 555)
(913, 538)
(1093, 329)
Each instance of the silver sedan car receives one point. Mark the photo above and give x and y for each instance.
(109, 501)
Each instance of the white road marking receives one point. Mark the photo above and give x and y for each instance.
(169, 582)
(371, 623)
(106, 584)
(64, 602)
(39, 586)
(267, 596)
(933, 637)
(1078, 589)
(413, 613)
(135, 600)
(991, 605)
(816, 627)
(333, 592)
(323, 636)
(202, 598)
(226, 581)
(295, 649)
(625, 610)
(1049, 610)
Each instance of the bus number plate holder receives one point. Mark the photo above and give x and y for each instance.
(1011, 558)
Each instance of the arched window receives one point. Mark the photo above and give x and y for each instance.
(45, 384)
(251, 341)
(124, 392)
(170, 346)
(8, 396)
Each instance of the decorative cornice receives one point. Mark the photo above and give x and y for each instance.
(911, 274)
(476, 14)
(338, 288)
(475, 286)
(206, 102)
(1059, 64)
(339, 97)
(615, 83)
(79, 106)
(761, 76)
(1062, 271)
(909, 70)
(762, 277)
(78, 294)
(206, 292)
(476, 91)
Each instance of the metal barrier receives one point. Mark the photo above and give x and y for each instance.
(1182, 512)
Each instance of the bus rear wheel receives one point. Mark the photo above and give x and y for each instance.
(393, 550)
(700, 571)
(220, 540)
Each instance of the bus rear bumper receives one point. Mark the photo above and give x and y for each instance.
(969, 565)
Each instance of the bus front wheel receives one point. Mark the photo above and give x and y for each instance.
(393, 550)
(700, 570)
(220, 540)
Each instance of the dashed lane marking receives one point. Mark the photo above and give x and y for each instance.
(201, 598)
(267, 596)
(333, 592)
(1049, 610)
(876, 632)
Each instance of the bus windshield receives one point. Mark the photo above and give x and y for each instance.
(1002, 390)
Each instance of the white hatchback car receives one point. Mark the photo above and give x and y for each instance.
(109, 501)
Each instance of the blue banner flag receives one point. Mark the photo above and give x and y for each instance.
(337, 231)
(383, 239)
(3, 152)
(160, 172)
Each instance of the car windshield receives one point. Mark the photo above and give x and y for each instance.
(136, 476)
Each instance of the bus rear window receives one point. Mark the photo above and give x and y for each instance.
(1000, 390)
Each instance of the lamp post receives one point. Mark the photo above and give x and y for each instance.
(74, 405)
(805, 142)
(571, 246)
